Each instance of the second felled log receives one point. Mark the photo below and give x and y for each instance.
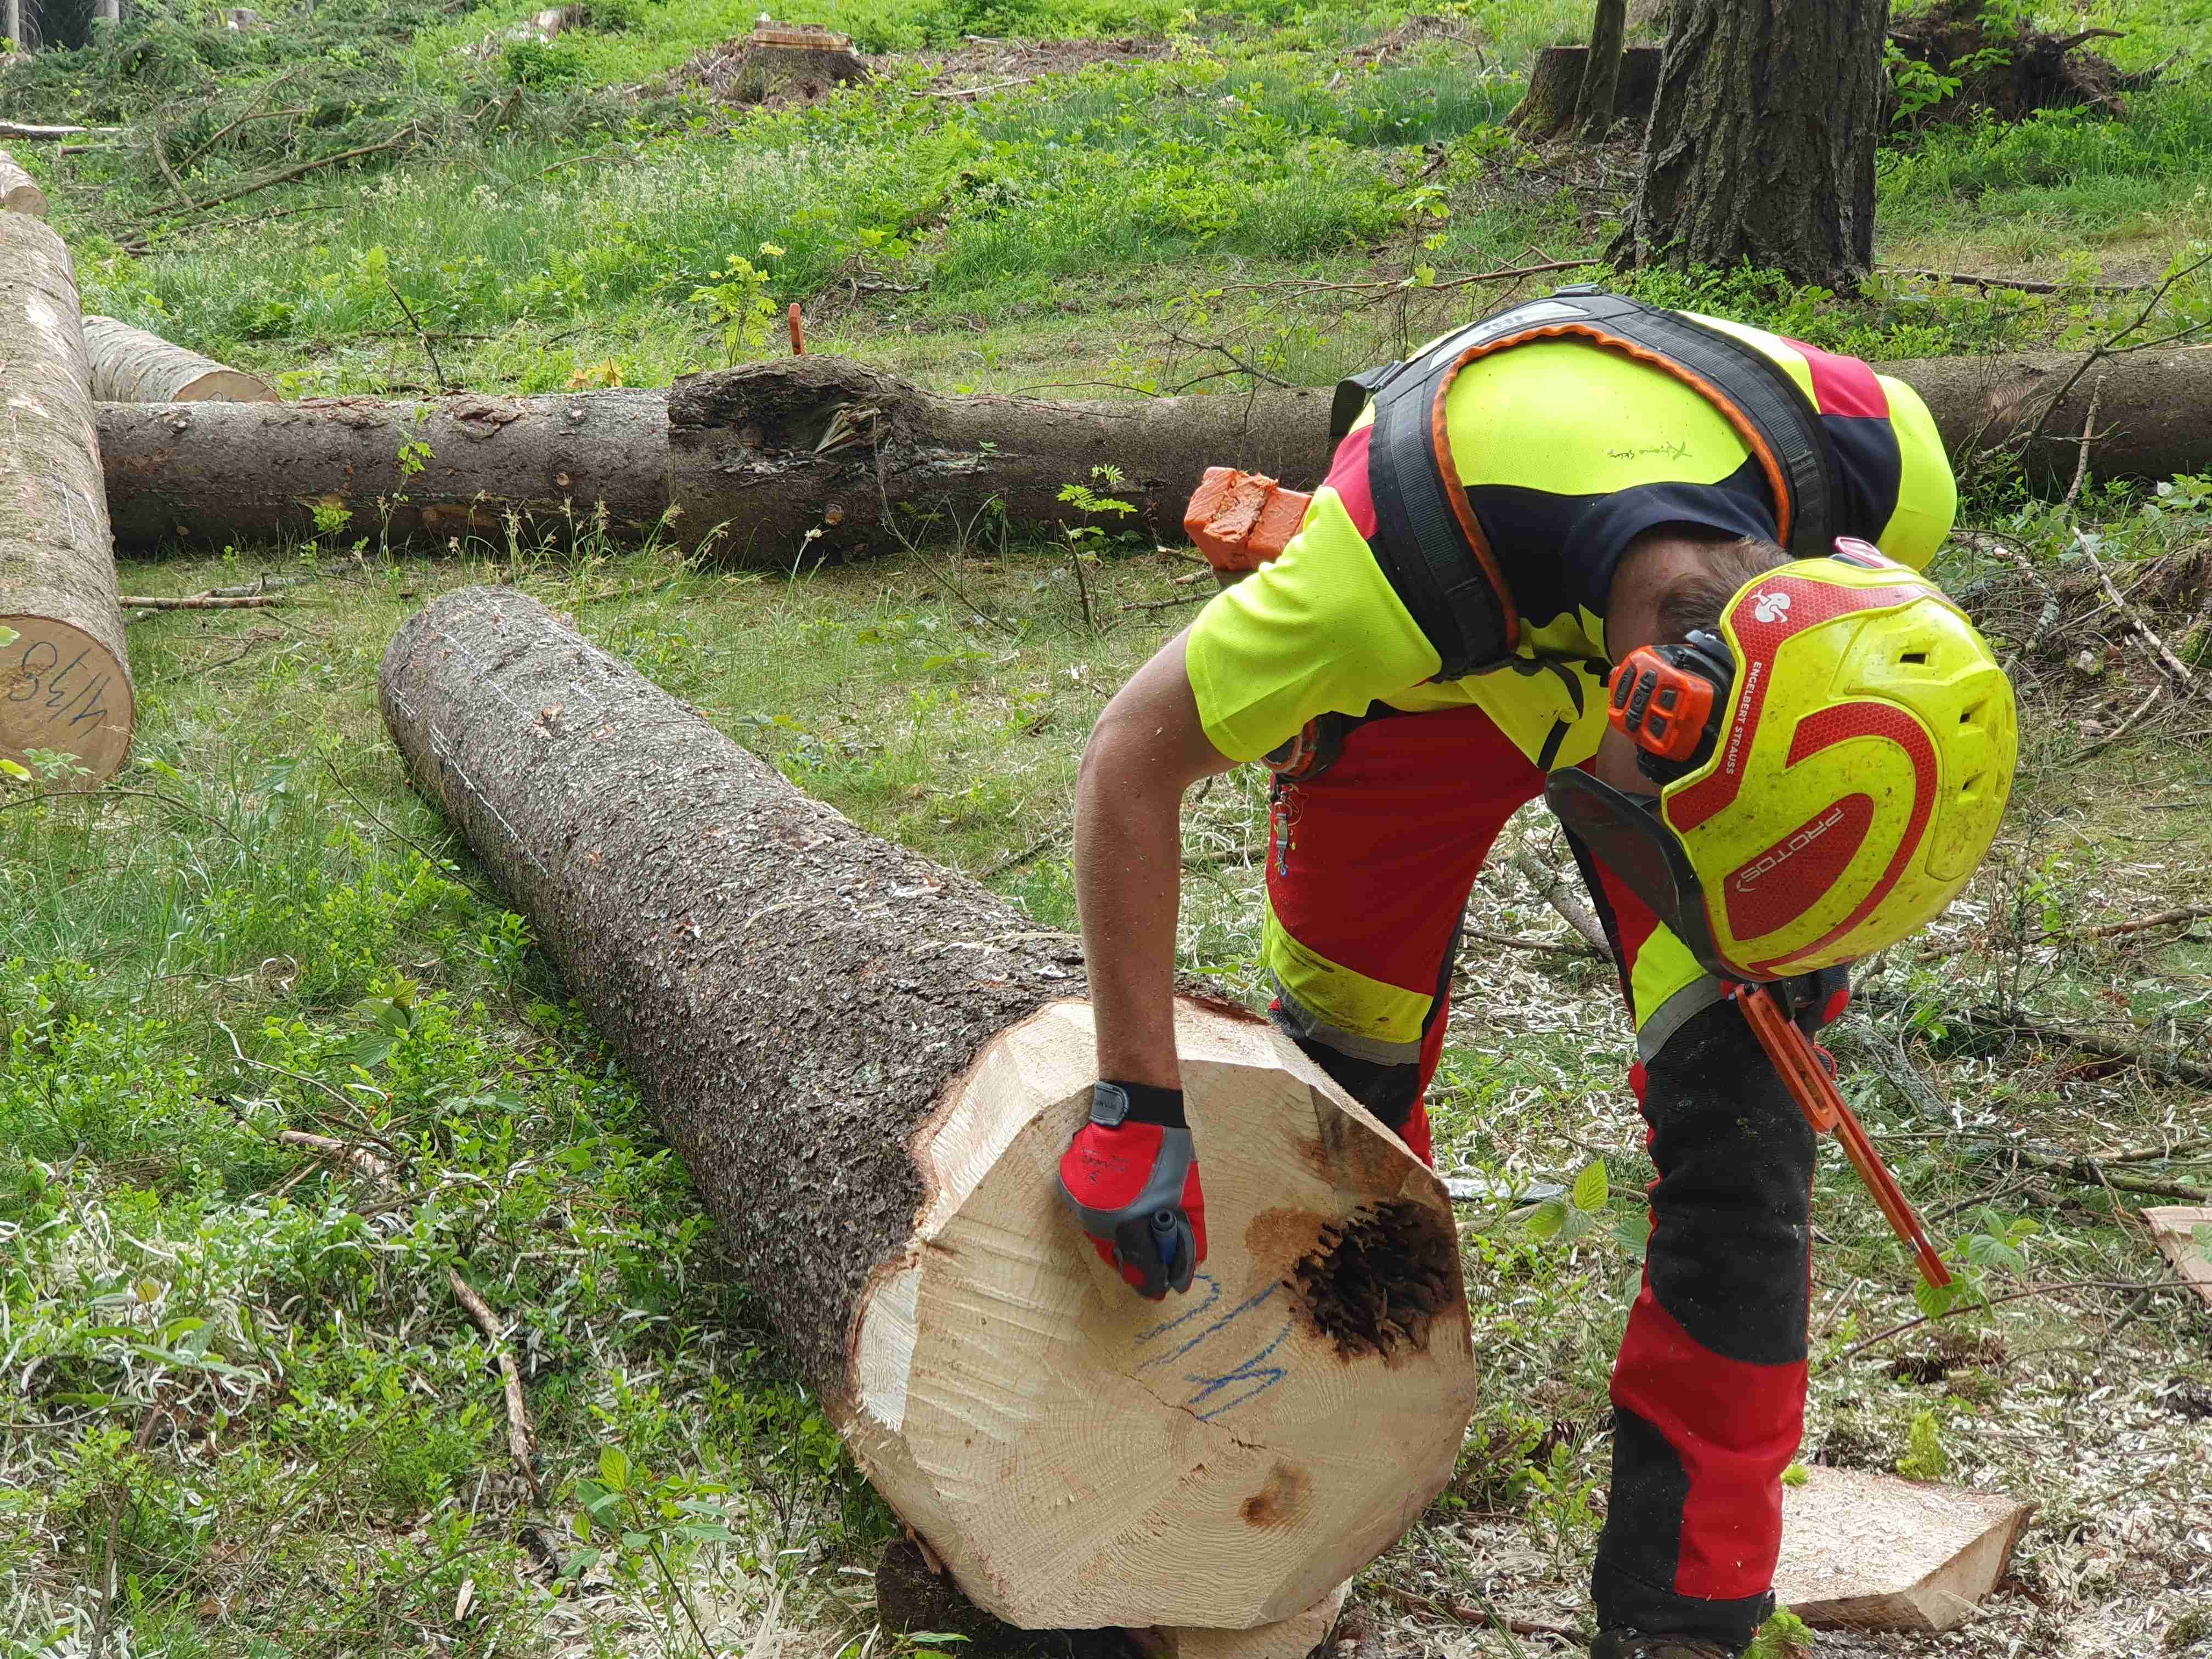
(129, 366)
(871, 1066)
(19, 192)
(65, 682)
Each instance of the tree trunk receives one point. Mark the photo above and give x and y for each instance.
(211, 474)
(871, 1065)
(12, 20)
(1761, 145)
(65, 682)
(19, 192)
(806, 456)
(129, 366)
(1593, 102)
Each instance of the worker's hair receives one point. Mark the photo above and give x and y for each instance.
(1696, 600)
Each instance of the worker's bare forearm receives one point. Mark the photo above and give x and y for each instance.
(1145, 752)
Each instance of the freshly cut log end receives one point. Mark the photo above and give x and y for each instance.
(129, 366)
(1080, 1456)
(64, 680)
(871, 1066)
(19, 192)
(2173, 1229)
(1870, 1551)
(62, 691)
(1293, 1637)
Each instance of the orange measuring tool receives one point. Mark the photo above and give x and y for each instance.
(1826, 1109)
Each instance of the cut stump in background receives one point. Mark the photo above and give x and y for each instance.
(64, 680)
(1555, 84)
(19, 192)
(2174, 1230)
(129, 366)
(1871, 1552)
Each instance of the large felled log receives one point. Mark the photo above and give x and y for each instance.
(809, 455)
(760, 459)
(871, 1065)
(129, 366)
(65, 682)
(19, 192)
(2154, 409)
(218, 473)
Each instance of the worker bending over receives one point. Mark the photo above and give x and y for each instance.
(1803, 755)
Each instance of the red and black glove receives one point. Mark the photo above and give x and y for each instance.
(1132, 1180)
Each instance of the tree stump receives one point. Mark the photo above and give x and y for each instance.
(64, 679)
(129, 366)
(1547, 110)
(871, 1066)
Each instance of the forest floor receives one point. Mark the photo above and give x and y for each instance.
(241, 1411)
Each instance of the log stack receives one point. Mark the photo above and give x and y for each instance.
(871, 1065)
(65, 682)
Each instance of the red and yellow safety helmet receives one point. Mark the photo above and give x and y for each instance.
(1835, 787)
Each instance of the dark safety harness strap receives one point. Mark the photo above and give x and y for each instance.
(1427, 540)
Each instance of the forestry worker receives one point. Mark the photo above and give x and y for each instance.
(1665, 571)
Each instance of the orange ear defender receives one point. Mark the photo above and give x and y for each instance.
(1664, 698)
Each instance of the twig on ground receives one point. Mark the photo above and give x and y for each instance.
(306, 167)
(2082, 460)
(350, 1105)
(2157, 691)
(1581, 947)
(1166, 604)
(1554, 890)
(1981, 1303)
(108, 790)
(2090, 1172)
(421, 333)
(971, 92)
(1041, 845)
(1480, 1618)
(444, 866)
(2132, 618)
(161, 158)
(521, 1441)
(2178, 917)
(262, 583)
(31, 133)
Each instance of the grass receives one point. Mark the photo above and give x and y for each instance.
(240, 1411)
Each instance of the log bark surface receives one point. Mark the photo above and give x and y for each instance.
(65, 677)
(809, 456)
(871, 1065)
(19, 192)
(209, 473)
(1762, 140)
(129, 366)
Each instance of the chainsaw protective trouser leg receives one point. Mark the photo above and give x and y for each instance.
(1368, 870)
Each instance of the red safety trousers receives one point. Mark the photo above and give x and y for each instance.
(1368, 870)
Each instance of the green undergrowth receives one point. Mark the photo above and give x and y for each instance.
(1132, 223)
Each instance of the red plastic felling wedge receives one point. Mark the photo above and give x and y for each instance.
(1240, 521)
(1826, 1109)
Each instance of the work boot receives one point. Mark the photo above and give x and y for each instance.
(1634, 1645)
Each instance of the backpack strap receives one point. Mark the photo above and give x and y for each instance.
(1427, 539)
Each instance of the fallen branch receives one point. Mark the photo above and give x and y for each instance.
(2023, 284)
(337, 1151)
(198, 601)
(2178, 917)
(1479, 1618)
(304, 169)
(422, 334)
(2132, 618)
(1555, 891)
(1167, 605)
(1982, 1305)
(521, 1441)
(1515, 942)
